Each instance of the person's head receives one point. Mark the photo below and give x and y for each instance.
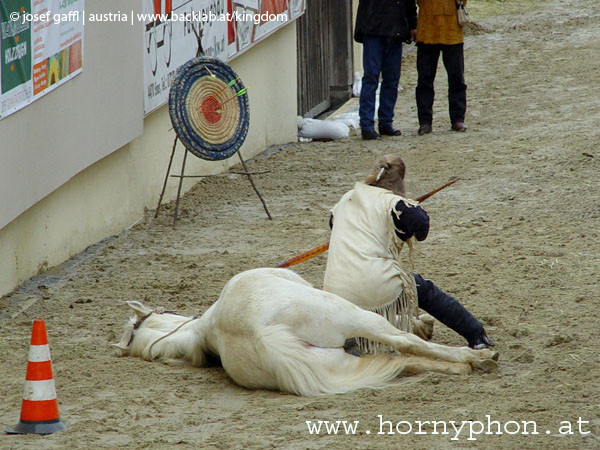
(389, 174)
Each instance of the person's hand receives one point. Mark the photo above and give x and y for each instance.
(413, 35)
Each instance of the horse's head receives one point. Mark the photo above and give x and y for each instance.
(141, 313)
(156, 334)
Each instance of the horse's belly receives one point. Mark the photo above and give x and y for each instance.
(244, 364)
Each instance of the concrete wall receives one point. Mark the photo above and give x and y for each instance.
(70, 128)
(112, 193)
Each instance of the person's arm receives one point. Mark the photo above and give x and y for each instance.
(411, 17)
(409, 221)
(361, 17)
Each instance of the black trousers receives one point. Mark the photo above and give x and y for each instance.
(427, 61)
(447, 309)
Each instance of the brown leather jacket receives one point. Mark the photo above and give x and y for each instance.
(437, 22)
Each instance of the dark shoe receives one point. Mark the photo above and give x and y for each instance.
(481, 342)
(424, 129)
(459, 126)
(369, 135)
(351, 347)
(388, 130)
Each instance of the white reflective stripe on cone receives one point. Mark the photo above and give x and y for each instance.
(39, 353)
(39, 390)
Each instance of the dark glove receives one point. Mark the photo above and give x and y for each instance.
(409, 221)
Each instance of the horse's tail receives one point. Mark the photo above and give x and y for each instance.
(306, 370)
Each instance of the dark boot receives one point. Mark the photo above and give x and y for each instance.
(388, 130)
(369, 134)
(451, 313)
(351, 347)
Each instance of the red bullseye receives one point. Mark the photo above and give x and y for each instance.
(209, 106)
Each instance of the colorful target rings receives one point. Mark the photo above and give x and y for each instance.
(208, 106)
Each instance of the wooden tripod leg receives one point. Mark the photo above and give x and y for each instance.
(179, 188)
(247, 173)
(162, 193)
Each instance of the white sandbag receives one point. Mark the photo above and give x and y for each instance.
(356, 85)
(350, 118)
(322, 129)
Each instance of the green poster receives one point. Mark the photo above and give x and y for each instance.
(15, 43)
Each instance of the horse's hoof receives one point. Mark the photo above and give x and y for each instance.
(488, 354)
(423, 327)
(486, 365)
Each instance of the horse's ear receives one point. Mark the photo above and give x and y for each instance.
(122, 346)
(140, 310)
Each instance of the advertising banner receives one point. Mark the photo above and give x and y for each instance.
(174, 32)
(253, 20)
(41, 47)
(177, 30)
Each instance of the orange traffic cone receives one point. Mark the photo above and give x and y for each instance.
(39, 410)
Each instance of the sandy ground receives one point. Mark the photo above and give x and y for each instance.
(517, 241)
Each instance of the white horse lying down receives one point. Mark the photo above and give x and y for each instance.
(273, 330)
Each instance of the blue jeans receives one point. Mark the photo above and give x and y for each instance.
(381, 55)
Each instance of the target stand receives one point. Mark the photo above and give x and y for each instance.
(208, 106)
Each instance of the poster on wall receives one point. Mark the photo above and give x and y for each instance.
(253, 20)
(177, 30)
(41, 47)
(174, 32)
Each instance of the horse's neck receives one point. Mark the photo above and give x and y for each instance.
(194, 340)
(206, 328)
(170, 337)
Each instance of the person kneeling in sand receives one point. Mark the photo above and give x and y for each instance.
(369, 226)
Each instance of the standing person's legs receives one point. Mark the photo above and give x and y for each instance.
(390, 74)
(427, 62)
(453, 58)
(372, 61)
(450, 312)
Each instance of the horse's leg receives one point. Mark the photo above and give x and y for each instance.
(373, 326)
(415, 365)
(337, 361)
(423, 326)
(325, 320)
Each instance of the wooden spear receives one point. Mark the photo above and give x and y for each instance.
(324, 247)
